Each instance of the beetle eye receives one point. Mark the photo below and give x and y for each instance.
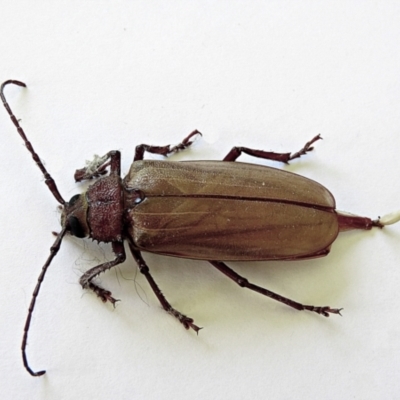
(75, 227)
(74, 199)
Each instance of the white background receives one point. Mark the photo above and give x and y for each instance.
(268, 75)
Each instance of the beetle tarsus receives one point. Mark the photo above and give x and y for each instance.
(234, 154)
(307, 147)
(86, 278)
(325, 311)
(185, 142)
(104, 295)
(187, 322)
(165, 150)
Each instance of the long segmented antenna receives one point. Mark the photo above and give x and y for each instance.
(56, 246)
(53, 251)
(48, 179)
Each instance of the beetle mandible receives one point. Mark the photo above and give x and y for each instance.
(206, 210)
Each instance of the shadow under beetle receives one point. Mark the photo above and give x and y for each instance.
(206, 210)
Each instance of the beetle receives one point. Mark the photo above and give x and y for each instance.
(216, 211)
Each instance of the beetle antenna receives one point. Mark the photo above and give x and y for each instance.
(53, 251)
(48, 179)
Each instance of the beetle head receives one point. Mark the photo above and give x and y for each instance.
(74, 215)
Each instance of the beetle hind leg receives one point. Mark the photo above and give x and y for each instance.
(244, 283)
(234, 154)
(186, 321)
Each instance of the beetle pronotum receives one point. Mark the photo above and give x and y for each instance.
(207, 210)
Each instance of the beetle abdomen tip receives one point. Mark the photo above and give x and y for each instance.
(390, 218)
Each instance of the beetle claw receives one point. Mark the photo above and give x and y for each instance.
(307, 147)
(326, 311)
(185, 142)
(105, 296)
(189, 324)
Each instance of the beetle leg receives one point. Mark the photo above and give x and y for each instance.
(98, 165)
(234, 154)
(164, 150)
(243, 282)
(187, 322)
(86, 278)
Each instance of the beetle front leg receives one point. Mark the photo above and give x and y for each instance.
(86, 278)
(97, 167)
(164, 150)
(243, 282)
(187, 322)
(234, 154)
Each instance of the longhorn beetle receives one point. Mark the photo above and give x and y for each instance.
(206, 210)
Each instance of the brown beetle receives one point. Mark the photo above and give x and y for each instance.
(207, 210)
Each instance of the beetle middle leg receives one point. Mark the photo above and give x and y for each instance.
(234, 154)
(86, 278)
(187, 322)
(243, 282)
(164, 150)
